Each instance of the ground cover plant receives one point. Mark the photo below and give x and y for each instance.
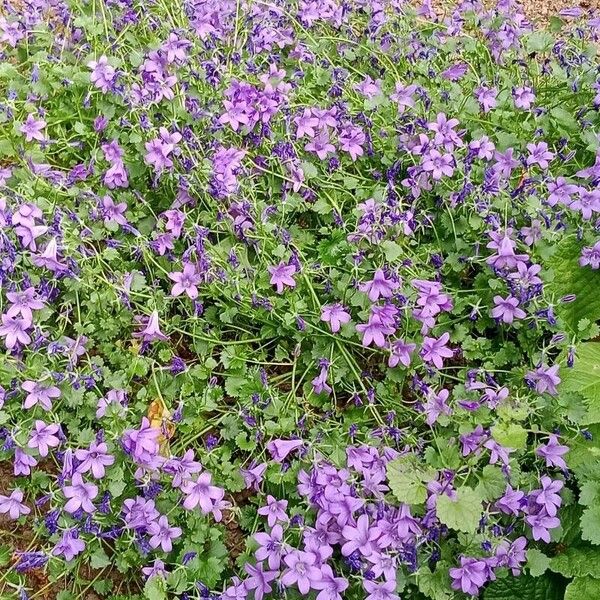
(299, 300)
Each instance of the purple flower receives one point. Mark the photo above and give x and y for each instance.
(23, 303)
(113, 213)
(436, 405)
(32, 129)
(80, 495)
(435, 350)
(511, 502)
(321, 145)
(39, 394)
(152, 330)
(560, 192)
(186, 281)
(271, 546)
(157, 569)
(15, 331)
(512, 555)
(336, 315)
(69, 545)
(403, 96)
(158, 150)
(545, 378)
(374, 331)
(279, 449)
(113, 397)
(281, 276)
(553, 452)
(162, 534)
(302, 570)
(590, 255)
(507, 310)
(253, 475)
(139, 513)
(539, 155)
(13, 504)
(541, 524)
(587, 203)
(548, 497)
(486, 97)
(319, 383)
(259, 580)
(330, 586)
(438, 164)
(400, 353)
(94, 459)
(43, 437)
(201, 493)
(470, 576)
(380, 591)
(359, 537)
(351, 139)
(379, 286)
(23, 462)
(274, 511)
(524, 97)
(103, 75)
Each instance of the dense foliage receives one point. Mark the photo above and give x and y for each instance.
(299, 299)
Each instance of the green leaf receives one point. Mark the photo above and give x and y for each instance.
(590, 524)
(491, 483)
(524, 587)
(463, 513)
(584, 377)
(539, 41)
(99, 559)
(577, 562)
(537, 562)
(510, 435)
(154, 589)
(5, 554)
(571, 278)
(434, 585)
(589, 492)
(408, 479)
(392, 250)
(583, 588)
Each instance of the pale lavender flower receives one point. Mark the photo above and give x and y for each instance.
(39, 394)
(186, 281)
(545, 378)
(274, 510)
(379, 286)
(435, 350)
(43, 437)
(436, 405)
(94, 459)
(281, 276)
(162, 534)
(69, 545)
(380, 591)
(507, 309)
(400, 353)
(103, 74)
(13, 504)
(32, 129)
(80, 495)
(470, 576)
(152, 330)
(336, 315)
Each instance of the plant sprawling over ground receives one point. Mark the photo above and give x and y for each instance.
(300, 299)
